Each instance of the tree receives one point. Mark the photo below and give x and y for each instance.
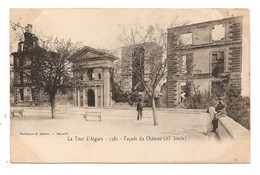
(51, 68)
(149, 62)
(48, 67)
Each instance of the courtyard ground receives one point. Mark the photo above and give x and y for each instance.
(181, 136)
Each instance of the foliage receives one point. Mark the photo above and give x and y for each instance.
(238, 107)
(50, 68)
(195, 99)
(118, 94)
(133, 97)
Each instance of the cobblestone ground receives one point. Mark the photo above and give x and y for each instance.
(180, 136)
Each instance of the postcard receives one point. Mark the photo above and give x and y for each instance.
(94, 85)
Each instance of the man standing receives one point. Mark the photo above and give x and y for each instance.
(220, 111)
(139, 110)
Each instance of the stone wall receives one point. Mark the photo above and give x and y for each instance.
(228, 129)
(201, 48)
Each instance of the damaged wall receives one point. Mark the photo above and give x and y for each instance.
(208, 38)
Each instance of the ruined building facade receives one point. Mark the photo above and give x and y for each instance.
(137, 57)
(22, 90)
(203, 52)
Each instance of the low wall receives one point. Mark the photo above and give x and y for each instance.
(228, 128)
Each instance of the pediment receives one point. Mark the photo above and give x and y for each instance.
(90, 55)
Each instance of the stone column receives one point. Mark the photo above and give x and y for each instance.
(101, 95)
(78, 97)
(96, 97)
(106, 87)
(87, 96)
(75, 97)
(31, 95)
(84, 97)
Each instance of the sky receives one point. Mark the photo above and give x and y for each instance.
(99, 28)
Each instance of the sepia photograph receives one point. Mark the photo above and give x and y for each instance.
(128, 85)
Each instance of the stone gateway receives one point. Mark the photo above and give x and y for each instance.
(91, 71)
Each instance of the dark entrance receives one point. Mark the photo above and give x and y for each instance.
(217, 63)
(21, 95)
(91, 98)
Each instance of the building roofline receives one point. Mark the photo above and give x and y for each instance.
(140, 44)
(200, 23)
(98, 51)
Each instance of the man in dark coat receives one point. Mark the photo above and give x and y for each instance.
(139, 110)
(220, 111)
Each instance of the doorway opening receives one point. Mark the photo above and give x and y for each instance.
(91, 98)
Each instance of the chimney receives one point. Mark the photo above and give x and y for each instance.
(28, 28)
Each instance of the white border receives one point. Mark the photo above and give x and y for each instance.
(252, 168)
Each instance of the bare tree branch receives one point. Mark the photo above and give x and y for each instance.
(154, 39)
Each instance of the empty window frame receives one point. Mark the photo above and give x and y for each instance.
(218, 59)
(218, 33)
(81, 77)
(34, 45)
(21, 47)
(184, 64)
(90, 74)
(186, 39)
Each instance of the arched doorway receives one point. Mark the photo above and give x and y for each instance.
(91, 98)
